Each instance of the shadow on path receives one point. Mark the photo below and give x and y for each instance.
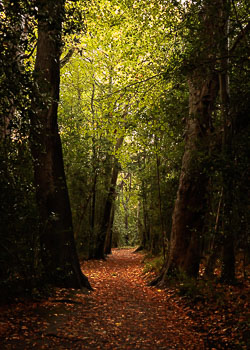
(121, 313)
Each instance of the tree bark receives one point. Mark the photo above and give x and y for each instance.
(99, 253)
(109, 236)
(188, 215)
(163, 235)
(58, 250)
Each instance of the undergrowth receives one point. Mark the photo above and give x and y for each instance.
(152, 264)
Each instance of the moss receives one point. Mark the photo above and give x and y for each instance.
(153, 264)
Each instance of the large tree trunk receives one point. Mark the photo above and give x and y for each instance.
(188, 216)
(58, 250)
(190, 206)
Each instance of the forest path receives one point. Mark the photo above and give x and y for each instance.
(121, 313)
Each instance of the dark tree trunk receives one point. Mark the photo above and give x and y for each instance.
(100, 244)
(189, 211)
(188, 216)
(145, 227)
(99, 254)
(163, 235)
(125, 207)
(108, 243)
(190, 206)
(58, 250)
(93, 205)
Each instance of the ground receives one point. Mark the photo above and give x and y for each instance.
(121, 313)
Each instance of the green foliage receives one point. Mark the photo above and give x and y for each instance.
(153, 264)
(113, 86)
(19, 247)
(188, 286)
(201, 291)
(125, 226)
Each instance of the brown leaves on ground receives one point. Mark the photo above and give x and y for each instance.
(222, 315)
(121, 313)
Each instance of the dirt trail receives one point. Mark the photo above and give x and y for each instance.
(121, 313)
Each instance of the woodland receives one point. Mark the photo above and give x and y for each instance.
(124, 140)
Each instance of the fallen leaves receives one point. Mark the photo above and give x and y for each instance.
(122, 313)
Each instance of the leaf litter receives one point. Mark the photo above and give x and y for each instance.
(121, 313)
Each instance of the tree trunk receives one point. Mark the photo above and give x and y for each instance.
(108, 243)
(99, 254)
(146, 237)
(189, 210)
(125, 207)
(58, 250)
(93, 205)
(163, 235)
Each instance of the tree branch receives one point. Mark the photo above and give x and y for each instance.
(133, 84)
(67, 57)
(242, 35)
